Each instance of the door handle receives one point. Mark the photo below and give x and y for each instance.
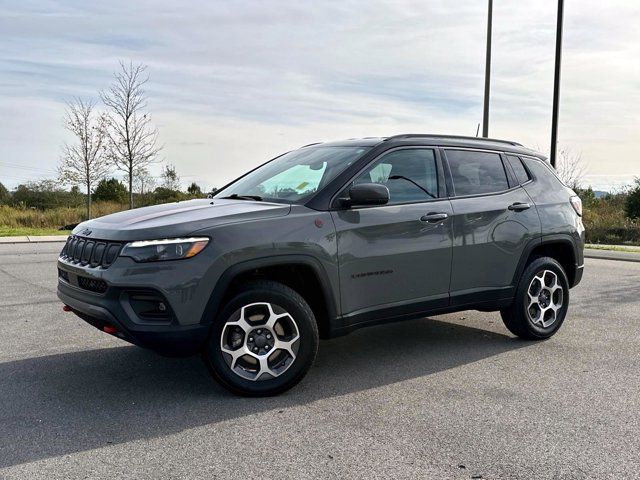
(519, 206)
(434, 217)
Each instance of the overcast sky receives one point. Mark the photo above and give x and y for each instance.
(236, 82)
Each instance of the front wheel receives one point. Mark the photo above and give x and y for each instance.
(263, 342)
(541, 301)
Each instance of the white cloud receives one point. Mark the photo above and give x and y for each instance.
(233, 83)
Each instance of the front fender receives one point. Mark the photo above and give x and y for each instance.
(328, 286)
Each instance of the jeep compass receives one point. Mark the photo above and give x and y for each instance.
(326, 239)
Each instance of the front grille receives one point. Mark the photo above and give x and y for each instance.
(92, 284)
(90, 252)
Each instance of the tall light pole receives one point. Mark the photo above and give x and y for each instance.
(487, 75)
(556, 84)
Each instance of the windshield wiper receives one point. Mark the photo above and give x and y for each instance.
(235, 196)
(402, 177)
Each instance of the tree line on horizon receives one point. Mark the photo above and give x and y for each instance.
(115, 136)
(49, 193)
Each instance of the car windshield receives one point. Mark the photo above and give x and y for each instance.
(294, 176)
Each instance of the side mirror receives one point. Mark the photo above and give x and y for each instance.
(367, 194)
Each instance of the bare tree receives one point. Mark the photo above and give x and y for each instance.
(571, 168)
(143, 181)
(133, 140)
(84, 162)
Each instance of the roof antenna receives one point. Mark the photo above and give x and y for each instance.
(478, 130)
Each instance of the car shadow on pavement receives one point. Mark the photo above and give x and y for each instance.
(61, 404)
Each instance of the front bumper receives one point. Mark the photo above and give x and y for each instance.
(172, 339)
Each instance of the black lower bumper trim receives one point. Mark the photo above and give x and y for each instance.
(171, 340)
(578, 275)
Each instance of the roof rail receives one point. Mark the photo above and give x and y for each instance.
(456, 137)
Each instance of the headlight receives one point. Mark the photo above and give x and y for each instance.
(167, 249)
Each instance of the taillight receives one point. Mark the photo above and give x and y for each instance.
(576, 203)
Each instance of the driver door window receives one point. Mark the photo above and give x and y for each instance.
(409, 174)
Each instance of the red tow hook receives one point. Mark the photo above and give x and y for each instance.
(110, 329)
(66, 308)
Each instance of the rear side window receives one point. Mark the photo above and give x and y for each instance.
(476, 173)
(521, 173)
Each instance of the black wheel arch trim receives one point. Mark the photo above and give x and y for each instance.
(214, 304)
(558, 238)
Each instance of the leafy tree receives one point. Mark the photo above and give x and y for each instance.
(5, 196)
(194, 189)
(632, 206)
(588, 197)
(170, 178)
(110, 191)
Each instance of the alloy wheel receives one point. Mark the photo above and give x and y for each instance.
(260, 341)
(545, 298)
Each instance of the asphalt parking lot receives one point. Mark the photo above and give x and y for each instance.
(453, 396)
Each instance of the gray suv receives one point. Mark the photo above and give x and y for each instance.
(326, 239)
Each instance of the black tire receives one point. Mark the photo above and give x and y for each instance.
(516, 317)
(282, 299)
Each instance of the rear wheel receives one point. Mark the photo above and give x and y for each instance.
(541, 301)
(263, 342)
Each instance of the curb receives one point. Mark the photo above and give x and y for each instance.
(612, 255)
(34, 239)
(617, 248)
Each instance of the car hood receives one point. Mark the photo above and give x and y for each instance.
(177, 219)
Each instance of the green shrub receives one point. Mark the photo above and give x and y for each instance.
(5, 196)
(588, 197)
(195, 190)
(44, 195)
(110, 191)
(605, 221)
(167, 195)
(632, 205)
